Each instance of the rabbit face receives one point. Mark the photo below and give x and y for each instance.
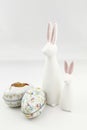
(68, 78)
(68, 70)
(50, 49)
(67, 83)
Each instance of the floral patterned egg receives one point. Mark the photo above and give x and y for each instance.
(13, 95)
(33, 102)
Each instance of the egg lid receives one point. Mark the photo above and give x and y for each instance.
(34, 100)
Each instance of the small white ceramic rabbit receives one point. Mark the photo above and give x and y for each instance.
(66, 99)
(52, 82)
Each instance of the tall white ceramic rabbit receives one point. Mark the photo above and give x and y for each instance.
(66, 99)
(52, 81)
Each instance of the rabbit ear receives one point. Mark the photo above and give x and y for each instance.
(71, 68)
(66, 66)
(54, 34)
(49, 32)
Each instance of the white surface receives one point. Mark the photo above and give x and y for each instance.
(51, 118)
(23, 27)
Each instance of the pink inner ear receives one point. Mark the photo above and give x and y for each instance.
(54, 34)
(71, 68)
(52, 37)
(49, 32)
(66, 66)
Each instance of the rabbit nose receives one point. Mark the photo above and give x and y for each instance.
(67, 83)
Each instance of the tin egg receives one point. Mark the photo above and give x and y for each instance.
(33, 102)
(13, 95)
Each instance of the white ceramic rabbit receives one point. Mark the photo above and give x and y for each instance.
(66, 99)
(52, 81)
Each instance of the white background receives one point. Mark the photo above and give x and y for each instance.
(23, 26)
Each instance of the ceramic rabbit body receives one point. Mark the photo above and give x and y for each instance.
(66, 100)
(52, 82)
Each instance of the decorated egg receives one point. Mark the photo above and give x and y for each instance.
(13, 95)
(33, 102)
